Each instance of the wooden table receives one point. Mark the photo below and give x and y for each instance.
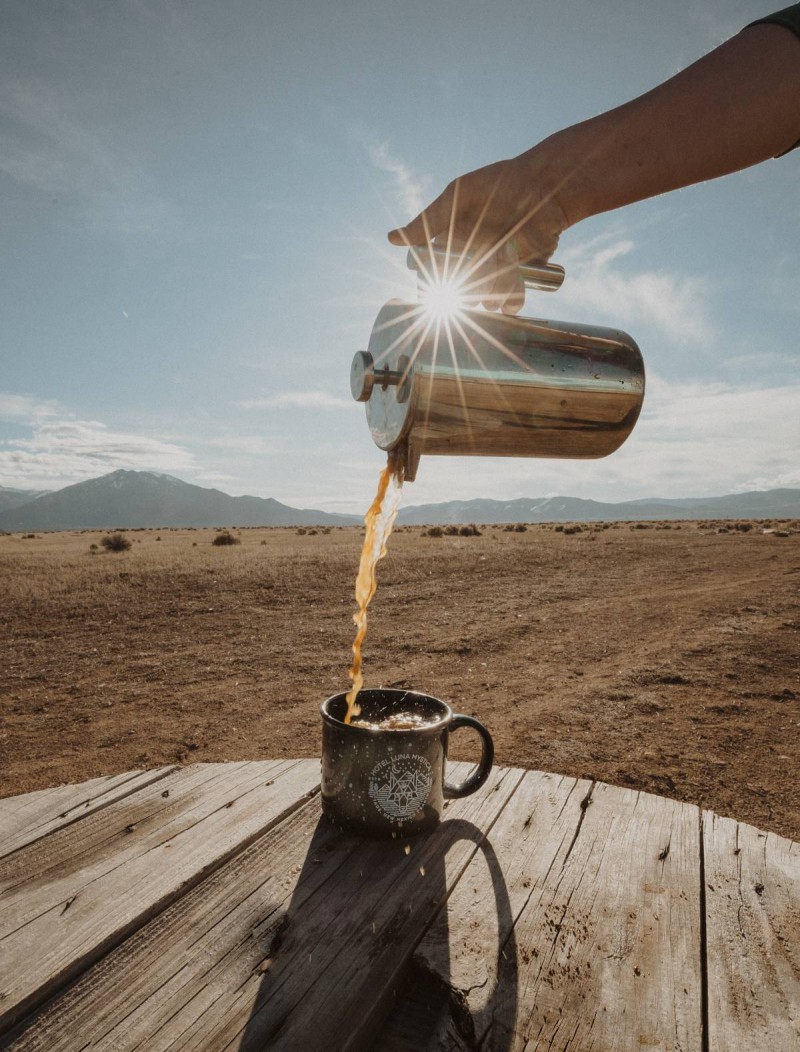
(210, 907)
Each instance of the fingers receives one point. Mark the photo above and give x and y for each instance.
(509, 285)
(502, 288)
(433, 220)
(487, 217)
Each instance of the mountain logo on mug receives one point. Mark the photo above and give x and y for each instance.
(400, 786)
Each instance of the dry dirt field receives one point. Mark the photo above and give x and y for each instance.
(657, 657)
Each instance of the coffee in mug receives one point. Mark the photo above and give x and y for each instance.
(384, 773)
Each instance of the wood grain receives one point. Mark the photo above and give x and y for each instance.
(68, 898)
(601, 946)
(26, 818)
(214, 909)
(299, 940)
(753, 937)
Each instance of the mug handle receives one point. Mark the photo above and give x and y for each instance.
(476, 780)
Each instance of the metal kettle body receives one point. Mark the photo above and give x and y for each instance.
(484, 384)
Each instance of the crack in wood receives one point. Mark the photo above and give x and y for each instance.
(741, 905)
(704, 1035)
(584, 808)
(275, 943)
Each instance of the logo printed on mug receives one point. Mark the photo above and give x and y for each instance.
(400, 786)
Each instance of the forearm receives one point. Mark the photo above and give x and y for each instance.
(735, 107)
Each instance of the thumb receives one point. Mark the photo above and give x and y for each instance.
(431, 221)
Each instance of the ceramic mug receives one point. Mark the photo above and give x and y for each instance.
(387, 782)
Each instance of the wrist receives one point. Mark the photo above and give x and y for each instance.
(551, 169)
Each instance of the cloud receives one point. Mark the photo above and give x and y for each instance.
(408, 187)
(53, 143)
(254, 444)
(299, 400)
(596, 282)
(718, 437)
(27, 409)
(62, 449)
(213, 476)
(49, 148)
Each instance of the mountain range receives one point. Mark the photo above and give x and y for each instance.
(149, 499)
(768, 504)
(14, 498)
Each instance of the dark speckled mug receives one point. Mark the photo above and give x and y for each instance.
(391, 782)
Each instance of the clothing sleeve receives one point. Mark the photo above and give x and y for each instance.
(789, 18)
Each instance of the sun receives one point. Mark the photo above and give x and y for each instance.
(442, 297)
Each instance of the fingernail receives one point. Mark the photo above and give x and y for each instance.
(396, 237)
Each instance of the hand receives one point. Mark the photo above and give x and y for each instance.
(501, 215)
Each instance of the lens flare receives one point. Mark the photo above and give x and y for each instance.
(443, 297)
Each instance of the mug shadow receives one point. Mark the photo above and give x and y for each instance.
(340, 969)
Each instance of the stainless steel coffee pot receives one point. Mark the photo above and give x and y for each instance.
(477, 383)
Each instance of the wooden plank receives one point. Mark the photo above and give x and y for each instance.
(68, 898)
(297, 942)
(597, 946)
(18, 811)
(24, 819)
(468, 958)
(752, 890)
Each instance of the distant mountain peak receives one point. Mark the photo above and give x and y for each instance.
(14, 498)
(150, 498)
(128, 474)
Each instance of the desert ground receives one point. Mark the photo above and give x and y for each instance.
(663, 657)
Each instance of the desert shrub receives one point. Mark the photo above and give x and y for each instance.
(312, 533)
(263, 542)
(520, 528)
(469, 531)
(572, 529)
(451, 531)
(434, 531)
(301, 531)
(743, 527)
(194, 544)
(93, 548)
(115, 542)
(559, 528)
(225, 537)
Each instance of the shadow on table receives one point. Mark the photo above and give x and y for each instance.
(339, 964)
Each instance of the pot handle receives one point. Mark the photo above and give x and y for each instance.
(476, 780)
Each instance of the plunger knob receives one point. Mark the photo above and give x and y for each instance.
(362, 376)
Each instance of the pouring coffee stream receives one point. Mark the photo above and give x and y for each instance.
(464, 382)
(379, 522)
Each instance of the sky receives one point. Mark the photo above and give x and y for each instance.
(195, 197)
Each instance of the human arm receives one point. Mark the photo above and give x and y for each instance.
(735, 107)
